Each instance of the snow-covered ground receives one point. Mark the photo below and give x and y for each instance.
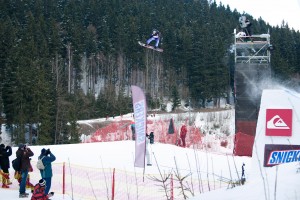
(119, 155)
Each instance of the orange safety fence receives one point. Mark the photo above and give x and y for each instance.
(121, 130)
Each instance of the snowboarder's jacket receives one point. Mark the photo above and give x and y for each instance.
(39, 193)
(155, 34)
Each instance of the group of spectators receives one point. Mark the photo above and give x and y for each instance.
(23, 154)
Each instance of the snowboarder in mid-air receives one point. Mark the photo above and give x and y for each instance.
(155, 36)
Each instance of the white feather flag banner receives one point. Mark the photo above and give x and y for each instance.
(140, 118)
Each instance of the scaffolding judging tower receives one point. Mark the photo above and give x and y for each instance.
(252, 67)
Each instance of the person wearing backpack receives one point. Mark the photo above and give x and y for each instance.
(47, 158)
(39, 191)
(24, 153)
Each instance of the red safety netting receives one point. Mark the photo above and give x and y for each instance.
(243, 144)
(121, 130)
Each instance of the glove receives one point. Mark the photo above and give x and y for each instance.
(48, 151)
(51, 194)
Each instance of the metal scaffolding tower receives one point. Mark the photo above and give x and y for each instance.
(252, 67)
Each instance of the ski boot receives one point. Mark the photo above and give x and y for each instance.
(4, 185)
(8, 182)
(23, 195)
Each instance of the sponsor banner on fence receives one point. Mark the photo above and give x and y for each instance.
(281, 153)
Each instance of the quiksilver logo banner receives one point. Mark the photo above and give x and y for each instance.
(279, 122)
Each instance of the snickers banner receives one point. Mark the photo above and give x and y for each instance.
(280, 153)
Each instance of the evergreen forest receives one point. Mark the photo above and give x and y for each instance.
(68, 60)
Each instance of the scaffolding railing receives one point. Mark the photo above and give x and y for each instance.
(252, 49)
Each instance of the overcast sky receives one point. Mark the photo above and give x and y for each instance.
(271, 11)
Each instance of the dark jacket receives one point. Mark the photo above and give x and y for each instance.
(25, 153)
(4, 157)
(151, 138)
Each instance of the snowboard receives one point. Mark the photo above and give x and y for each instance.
(150, 47)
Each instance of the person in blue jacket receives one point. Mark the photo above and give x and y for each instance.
(47, 158)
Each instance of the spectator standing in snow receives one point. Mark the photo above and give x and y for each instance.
(183, 132)
(5, 152)
(151, 137)
(133, 131)
(25, 153)
(243, 170)
(243, 178)
(47, 158)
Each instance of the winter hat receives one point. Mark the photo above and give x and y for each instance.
(43, 151)
(2, 146)
(21, 146)
(42, 182)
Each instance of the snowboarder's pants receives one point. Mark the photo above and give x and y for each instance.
(153, 38)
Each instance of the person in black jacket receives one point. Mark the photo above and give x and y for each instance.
(151, 137)
(5, 152)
